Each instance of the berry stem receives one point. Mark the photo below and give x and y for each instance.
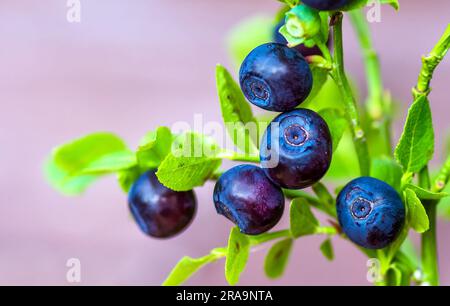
(429, 241)
(263, 238)
(326, 230)
(239, 157)
(339, 76)
(377, 105)
(313, 201)
(326, 198)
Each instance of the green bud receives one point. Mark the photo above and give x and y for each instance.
(302, 24)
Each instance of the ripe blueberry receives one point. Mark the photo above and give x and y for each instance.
(249, 199)
(326, 5)
(275, 77)
(296, 149)
(370, 212)
(159, 211)
(305, 51)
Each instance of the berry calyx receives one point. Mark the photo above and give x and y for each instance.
(302, 48)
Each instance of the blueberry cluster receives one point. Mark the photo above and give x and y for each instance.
(295, 150)
(295, 153)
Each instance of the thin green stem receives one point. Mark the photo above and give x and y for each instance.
(377, 106)
(326, 230)
(373, 71)
(430, 62)
(341, 80)
(239, 157)
(429, 244)
(442, 178)
(315, 202)
(429, 241)
(292, 194)
(256, 240)
(324, 49)
(327, 200)
(430, 264)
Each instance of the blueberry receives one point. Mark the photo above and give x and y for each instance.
(159, 211)
(275, 77)
(249, 199)
(296, 149)
(370, 212)
(326, 5)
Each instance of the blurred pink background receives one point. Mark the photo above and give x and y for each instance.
(128, 67)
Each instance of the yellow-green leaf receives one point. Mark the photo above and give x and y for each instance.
(417, 216)
(237, 255)
(277, 258)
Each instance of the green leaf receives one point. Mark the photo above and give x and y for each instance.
(417, 215)
(154, 148)
(416, 146)
(126, 178)
(77, 155)
(187, 266)
(249, 34)
(387, 170)
(237, 256)
(327, 249)
(190, 164)
(65, 168)
(424, 194)
(303, 222)
(320, 77)
(111, 163)
(336, 122)
(277, 258)
(65, 183)
(236, 112)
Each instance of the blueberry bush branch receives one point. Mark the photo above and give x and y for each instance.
(378, 103)
(421, 91)
(340, 77)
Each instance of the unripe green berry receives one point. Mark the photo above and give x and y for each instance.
(302, 23)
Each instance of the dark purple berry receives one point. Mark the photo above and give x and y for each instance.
(249, 199)
(275, 77)
(370, 212)
(327, 5)
(159, 211)
(296, 149)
